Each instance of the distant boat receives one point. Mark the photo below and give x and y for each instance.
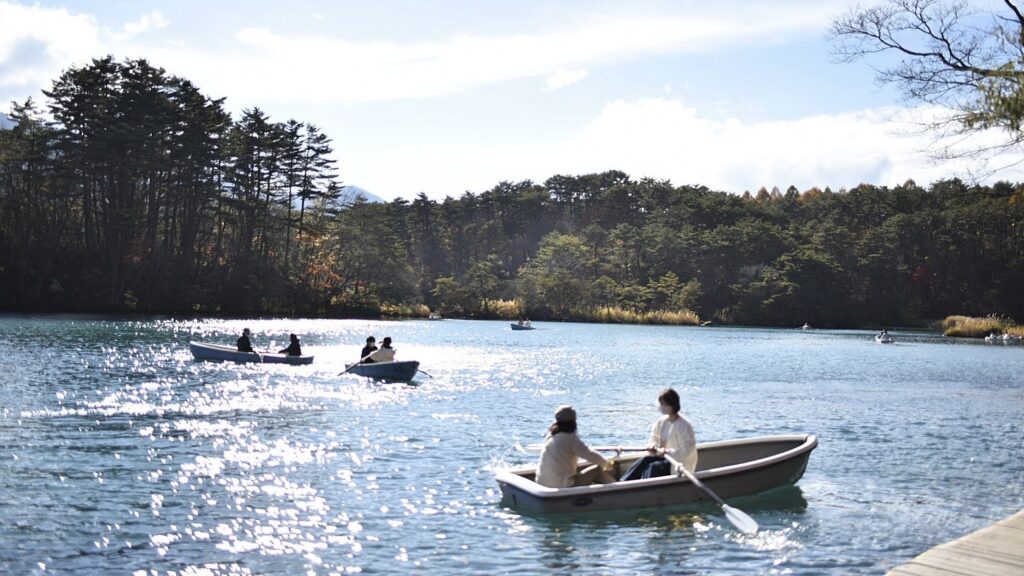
(806, 326)
(434, 316)
(884, 339)
(992, 338)
(398, 371)
(1010, 338)
(526, 326)
(216, 352)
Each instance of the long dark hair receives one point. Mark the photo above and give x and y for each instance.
(567, 427)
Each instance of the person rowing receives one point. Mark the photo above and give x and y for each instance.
(243, 343)
(672, 434)
(368, 350)
(293, 349)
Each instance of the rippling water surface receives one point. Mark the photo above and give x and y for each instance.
(119, 453)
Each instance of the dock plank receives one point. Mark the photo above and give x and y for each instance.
(996, 550)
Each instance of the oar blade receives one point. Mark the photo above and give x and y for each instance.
(740, 520)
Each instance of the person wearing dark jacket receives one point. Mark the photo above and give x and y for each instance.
(370, 348)
(293, 349)
(244, 345)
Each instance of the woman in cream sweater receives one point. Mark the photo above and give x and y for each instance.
(672, 434)
(562, 450)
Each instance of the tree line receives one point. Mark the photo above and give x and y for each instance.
(136, 192)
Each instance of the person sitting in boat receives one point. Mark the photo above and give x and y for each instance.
(244, 345)
(293, 348)
(672, 434)
(562, 449)
(368, 350)
(386, 353)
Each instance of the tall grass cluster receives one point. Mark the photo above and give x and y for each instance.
(505, 309)
(974, 327)
(616, 315)
(404, 310)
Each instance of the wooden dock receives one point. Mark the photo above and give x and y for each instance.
(997, 550)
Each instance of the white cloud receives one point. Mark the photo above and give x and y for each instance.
(562, 78)
(658, 137)
(152, 21)
(665, 139)
(662, 137)
(316, 68)
(334, 69)
(37, 43)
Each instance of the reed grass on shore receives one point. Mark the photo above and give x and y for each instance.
(505, 309)
(615, 315)
(404, 310)
(975, 327)
(513, 309)
(1017, 331)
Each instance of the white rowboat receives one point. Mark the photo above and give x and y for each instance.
(729, 468)
(216, 352)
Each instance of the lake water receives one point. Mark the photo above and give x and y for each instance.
(120, 454)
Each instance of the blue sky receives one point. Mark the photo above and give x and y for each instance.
(444, 97)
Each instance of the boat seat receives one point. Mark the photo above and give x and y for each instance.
(593, 474)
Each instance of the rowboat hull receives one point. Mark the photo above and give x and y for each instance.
(884, 340)
(398, 371)
(218, 353)
(521, 327)
(729, 468)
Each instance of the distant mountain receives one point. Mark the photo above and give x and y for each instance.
(350, 193)
(6, 123)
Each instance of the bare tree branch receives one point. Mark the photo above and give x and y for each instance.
(951, 56)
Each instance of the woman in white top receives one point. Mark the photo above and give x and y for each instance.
(672, 434)
(386, 353)
(562, 450)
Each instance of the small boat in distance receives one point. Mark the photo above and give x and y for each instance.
(806, 326)
(729, 468)
(397, 371)
(521, 325)
(884, 339)
(434, 316)
(216, 352)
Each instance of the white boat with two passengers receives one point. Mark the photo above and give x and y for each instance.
(730, 468)
(217, 352)
(884, 339)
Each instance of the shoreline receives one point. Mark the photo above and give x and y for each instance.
(929, 327)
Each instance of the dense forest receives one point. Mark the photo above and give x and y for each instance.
(134, 191)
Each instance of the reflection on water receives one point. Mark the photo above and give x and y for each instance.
(120, 453)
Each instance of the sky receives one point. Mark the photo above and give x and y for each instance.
(447, 97)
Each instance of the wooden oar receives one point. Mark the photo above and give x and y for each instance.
(539, 447)
(361, 360)
(739, 518)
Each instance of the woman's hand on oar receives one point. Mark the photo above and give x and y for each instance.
(739, 518)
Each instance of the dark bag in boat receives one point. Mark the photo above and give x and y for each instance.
(655, 469)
